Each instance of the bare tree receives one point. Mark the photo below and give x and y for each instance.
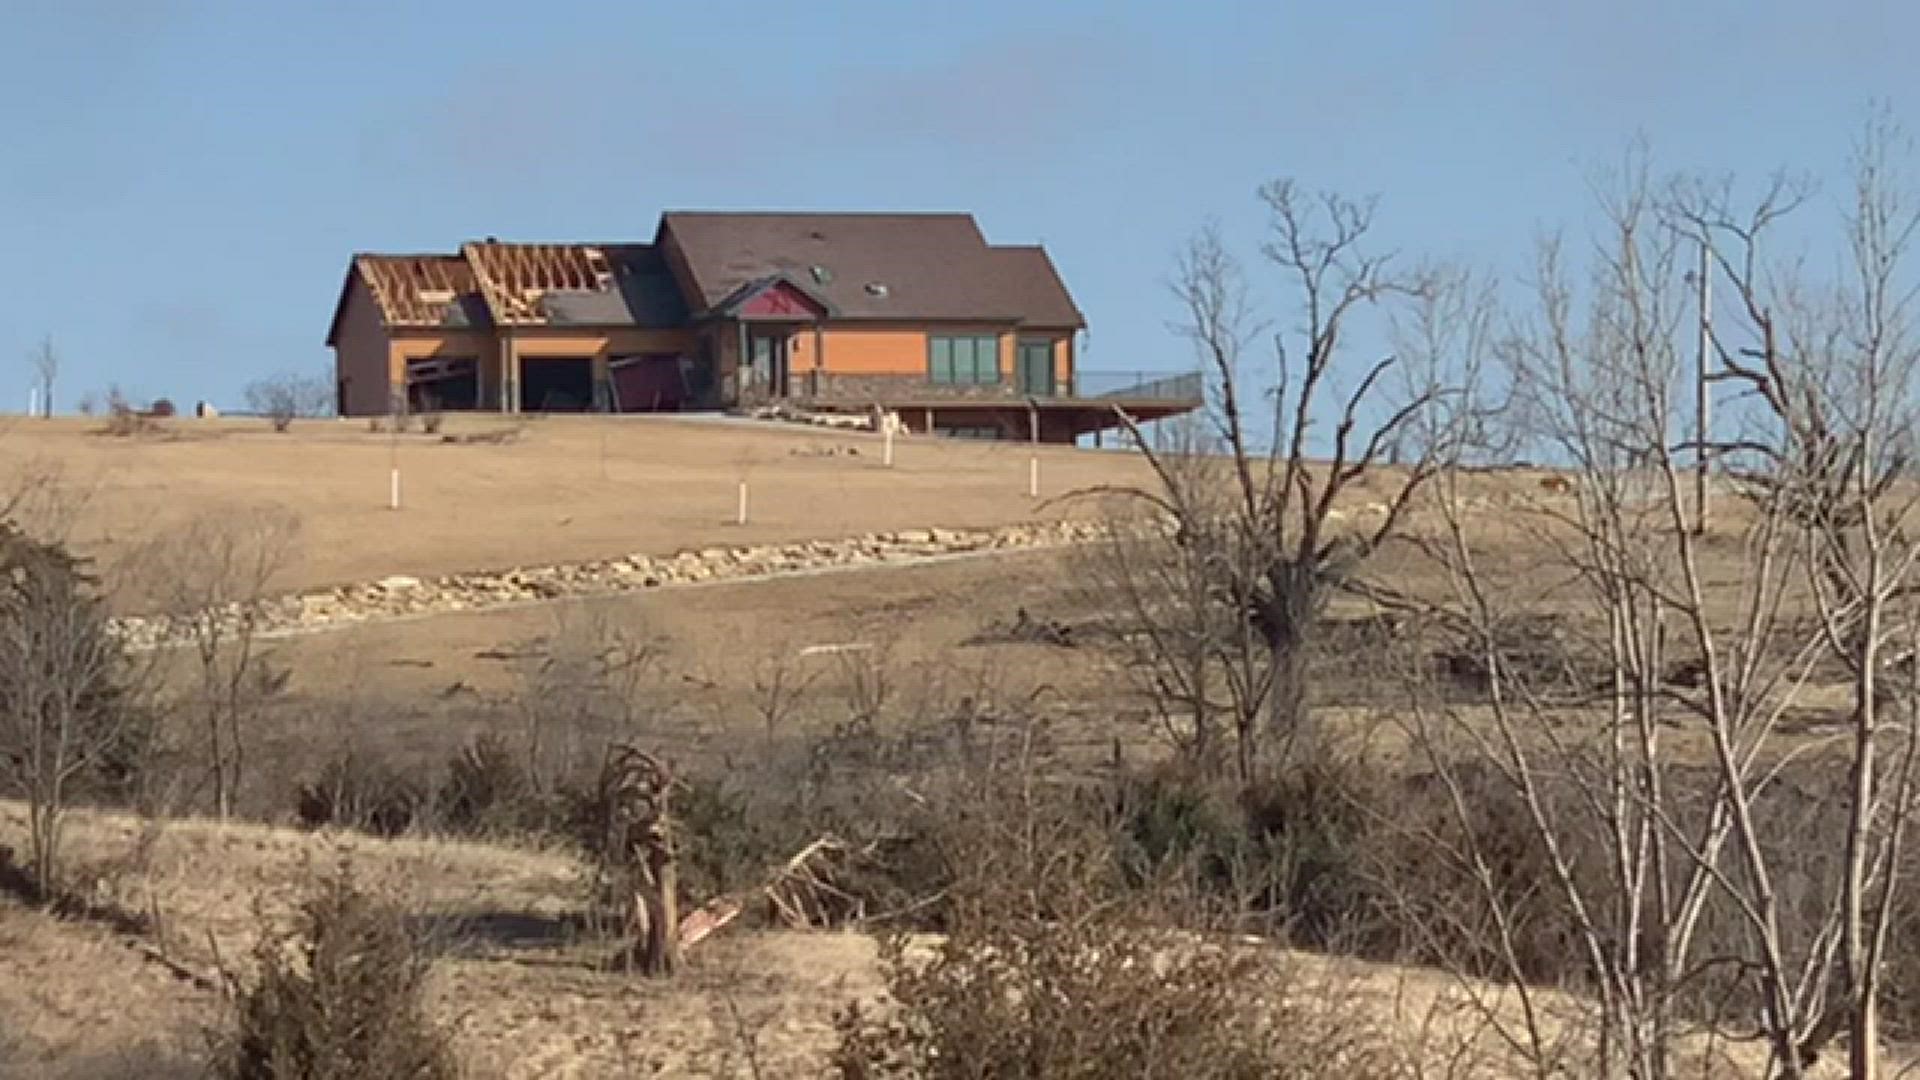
(212, 578)
(1836, 373)
(45, 360)
(1202, 666)
(288, 396)
(1593, 383)
(1660, 788)
(68, 720)
(1259, 536)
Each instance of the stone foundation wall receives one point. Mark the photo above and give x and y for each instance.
(830, 388)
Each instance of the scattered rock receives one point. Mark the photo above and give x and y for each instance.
(401, 594)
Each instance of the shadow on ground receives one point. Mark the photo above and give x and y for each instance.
(467, 933)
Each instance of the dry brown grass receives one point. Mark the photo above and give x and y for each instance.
(566, 489)
(525, 1000)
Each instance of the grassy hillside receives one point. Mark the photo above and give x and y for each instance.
(560, 489)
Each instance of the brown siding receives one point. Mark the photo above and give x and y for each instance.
(632, 342)
(360, 357)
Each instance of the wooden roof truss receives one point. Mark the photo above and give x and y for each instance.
(513, 277)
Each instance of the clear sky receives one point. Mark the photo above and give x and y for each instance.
(181, 183)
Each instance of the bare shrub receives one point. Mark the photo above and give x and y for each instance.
(488, 790)
(338, 996)
(584, 683)
(1072, 1000)
(358, 790)
(212, 578)
(1054, 966)
(288, 396)
(125, 419)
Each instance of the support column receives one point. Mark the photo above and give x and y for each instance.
(396, 394)
(601, 399)
(509, 375)
(742, 368)
(819, 358)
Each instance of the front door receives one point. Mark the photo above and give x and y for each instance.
(767, 356)
(1034, 372)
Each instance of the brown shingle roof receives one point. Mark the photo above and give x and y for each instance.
(923, 267)
(873, 266)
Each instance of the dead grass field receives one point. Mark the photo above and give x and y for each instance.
(527, 998)
(564, 489)
(416, 691)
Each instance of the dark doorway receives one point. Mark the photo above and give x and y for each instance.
(1034, 373)
(767, 363)
(452, 385)
(556, 384)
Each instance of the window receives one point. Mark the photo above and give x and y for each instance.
(963, 360)
(981, 433)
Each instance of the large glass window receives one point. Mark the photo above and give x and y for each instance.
(963, 359)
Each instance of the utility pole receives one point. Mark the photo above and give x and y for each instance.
(1702, 403)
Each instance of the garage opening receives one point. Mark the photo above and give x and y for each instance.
(556, 384)
(452, 385)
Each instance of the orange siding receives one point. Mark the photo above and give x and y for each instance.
(890, 351)
(1062, 341)
(872, 352)
(535, 343)
(415, 345)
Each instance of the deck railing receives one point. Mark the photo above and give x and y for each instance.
(1136, 386)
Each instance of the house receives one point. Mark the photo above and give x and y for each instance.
(914, 313)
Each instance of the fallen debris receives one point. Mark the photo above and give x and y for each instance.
(803, 893)
(1025, 630)
(496, 437)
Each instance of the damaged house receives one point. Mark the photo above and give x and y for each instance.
(915, 313)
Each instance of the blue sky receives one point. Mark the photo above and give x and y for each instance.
(181, 183)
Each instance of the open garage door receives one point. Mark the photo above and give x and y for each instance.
(656, 382)
(443, 384)
(556, 384)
